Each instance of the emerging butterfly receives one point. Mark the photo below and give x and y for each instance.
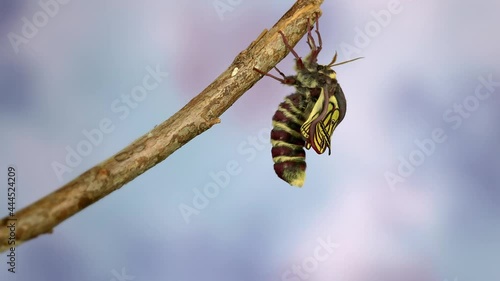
(308, 117)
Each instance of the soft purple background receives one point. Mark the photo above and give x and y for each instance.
(442, 223)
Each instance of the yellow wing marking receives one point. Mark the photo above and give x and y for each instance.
(319, 126)
(316, 111)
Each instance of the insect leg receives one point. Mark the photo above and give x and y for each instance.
(321, 116)
(300, 64)
(315, 49)
(320, 42)
(270, 75)
(285, 80)
(281, 73)
(310, 39)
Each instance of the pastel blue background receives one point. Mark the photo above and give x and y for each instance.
(441, 223)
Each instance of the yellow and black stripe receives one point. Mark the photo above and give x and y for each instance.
(288, 144)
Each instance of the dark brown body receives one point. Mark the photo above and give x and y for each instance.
(288, 144)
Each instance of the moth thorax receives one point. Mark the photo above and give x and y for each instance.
(317, 79)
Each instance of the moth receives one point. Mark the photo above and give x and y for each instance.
(308, 117)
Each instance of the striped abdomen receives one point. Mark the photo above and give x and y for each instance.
(288, 144)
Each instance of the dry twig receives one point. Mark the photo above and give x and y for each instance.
(201, 113)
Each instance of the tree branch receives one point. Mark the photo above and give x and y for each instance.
(200, 114)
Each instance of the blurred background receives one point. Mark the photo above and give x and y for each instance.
(410, 192)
